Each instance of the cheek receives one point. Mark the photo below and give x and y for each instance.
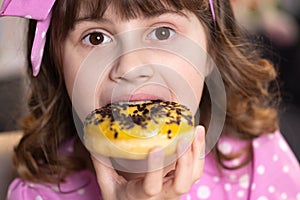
(196, 84)
(69, 78)
(198, 88)
(75, 88)
(71, 66)
(186, 81)
(82, 80)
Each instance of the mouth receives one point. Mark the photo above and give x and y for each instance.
(137, 98)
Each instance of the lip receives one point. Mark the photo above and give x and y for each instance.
(137, 97)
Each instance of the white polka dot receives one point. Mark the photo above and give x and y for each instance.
(285, 169)
(225, 147)
(262, 198)
(255, 144)
(240, 194)
(227, 187)
(28, 16)
(253, 186)
(55, 188)
(203, 192)
(43, 34)
(283, 146)
(216, 179)
(232, 176)
(188, 197)
(283, 196)
(261, 169)
(38, 197)
(298, 196)
(236, 161)
(81, 191)
(244, 181)
(271, 136)
(36, 67)
(275, 157)
(41, 53)
(271, 189)
(31, 185)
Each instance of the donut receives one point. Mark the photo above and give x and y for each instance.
(131, 130)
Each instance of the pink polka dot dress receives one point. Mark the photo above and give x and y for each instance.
(273, 174)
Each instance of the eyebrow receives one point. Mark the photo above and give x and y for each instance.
(153, 15)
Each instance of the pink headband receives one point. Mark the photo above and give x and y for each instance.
(40, 11)
(211, 4)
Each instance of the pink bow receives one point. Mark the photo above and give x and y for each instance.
(32, 9)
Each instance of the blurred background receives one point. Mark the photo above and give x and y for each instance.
(273, 22)
(276, 24)
(12, 68)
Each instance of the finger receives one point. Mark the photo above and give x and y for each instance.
(153, 180)
(184, 168)
(189, 166)
(198, 145)
(151, 185)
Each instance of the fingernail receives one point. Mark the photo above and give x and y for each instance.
(200, 131)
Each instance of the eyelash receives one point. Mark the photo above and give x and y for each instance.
(102, 37)
(166, 34)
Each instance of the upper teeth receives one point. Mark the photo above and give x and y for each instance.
(134, 102)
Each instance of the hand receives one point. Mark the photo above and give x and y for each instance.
(154, 184)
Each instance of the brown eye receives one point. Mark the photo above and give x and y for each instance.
(162, 33)
(96, 38)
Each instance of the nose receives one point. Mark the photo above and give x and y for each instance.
(132, 67)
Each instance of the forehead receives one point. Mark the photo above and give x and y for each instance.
(67, 13)
(130, 9)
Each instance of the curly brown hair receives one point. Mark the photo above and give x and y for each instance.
(251, 108)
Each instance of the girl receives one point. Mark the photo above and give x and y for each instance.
(251, 160)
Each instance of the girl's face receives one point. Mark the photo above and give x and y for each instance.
(113, 59)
